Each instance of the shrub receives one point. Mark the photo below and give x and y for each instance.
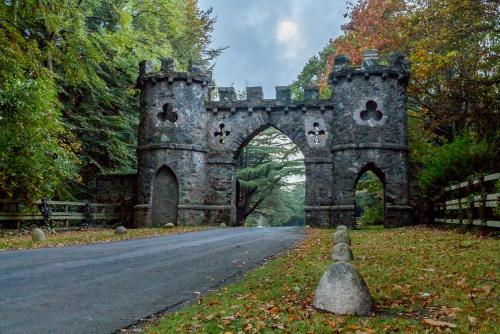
(373, 216)
(454, 162)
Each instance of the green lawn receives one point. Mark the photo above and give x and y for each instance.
(18, 240)
(423, 280)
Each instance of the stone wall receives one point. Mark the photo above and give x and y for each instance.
(120, 189)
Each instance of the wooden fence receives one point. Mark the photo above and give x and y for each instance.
(63, 214)
(473, 202)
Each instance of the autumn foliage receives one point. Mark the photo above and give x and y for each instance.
(453, 47)
(371, 25)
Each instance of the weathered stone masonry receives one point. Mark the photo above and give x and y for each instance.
(188, 144)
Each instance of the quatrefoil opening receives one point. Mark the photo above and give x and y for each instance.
(222, 134)
(316, 133)
(371, 112)
(168, 114)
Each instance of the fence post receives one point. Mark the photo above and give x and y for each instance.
(482, 201)
(46, 213)
(470, 200)
(88, 221)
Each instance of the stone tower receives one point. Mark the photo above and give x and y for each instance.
(171, 146)
(370, 131)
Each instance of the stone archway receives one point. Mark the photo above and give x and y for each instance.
(199, 138)
(165, 198)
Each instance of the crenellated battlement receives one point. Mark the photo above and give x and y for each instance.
(195, 74)
(396, 66)
(255, 101)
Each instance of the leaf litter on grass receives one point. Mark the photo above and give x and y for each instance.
(421, 279)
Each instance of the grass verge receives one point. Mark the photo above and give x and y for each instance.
(423, 280)
(88, 236)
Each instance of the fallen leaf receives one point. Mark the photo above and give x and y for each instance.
(437, 323)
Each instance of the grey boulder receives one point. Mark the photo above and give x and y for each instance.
(342, 252)
(169, 225)
(341, 237)
(38, 235)
(121, 230)
(222, 225)
(342, 290)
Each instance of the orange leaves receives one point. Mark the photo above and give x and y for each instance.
(372, 25)
(330, 323)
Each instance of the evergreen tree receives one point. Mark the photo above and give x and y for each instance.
(268, 172)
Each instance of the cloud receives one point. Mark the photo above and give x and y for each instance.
(286, 31)
(257, 15)
(290, 37)
(270, 40)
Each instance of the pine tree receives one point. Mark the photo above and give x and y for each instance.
(267, 173)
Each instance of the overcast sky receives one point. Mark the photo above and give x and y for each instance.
(270, 41)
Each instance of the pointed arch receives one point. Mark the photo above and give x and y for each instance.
(378, 172)
(255, 132)
(165, 197)
(372, 167)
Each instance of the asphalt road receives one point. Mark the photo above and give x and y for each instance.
(104, 287)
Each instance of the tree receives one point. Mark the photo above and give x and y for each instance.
(315, 72)
(372, 24)
(453, 48)
(267, 173)
(36, 161)
(88, 52)
(370, 199)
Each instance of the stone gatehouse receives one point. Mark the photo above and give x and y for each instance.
(188, 143)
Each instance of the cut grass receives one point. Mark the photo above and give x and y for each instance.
(88, 236)
(423, 280)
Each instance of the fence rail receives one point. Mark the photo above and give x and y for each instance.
(64, 213)
(475, 202)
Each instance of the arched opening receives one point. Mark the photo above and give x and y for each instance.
(370, 197)
(270, 189)
(165, 198)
